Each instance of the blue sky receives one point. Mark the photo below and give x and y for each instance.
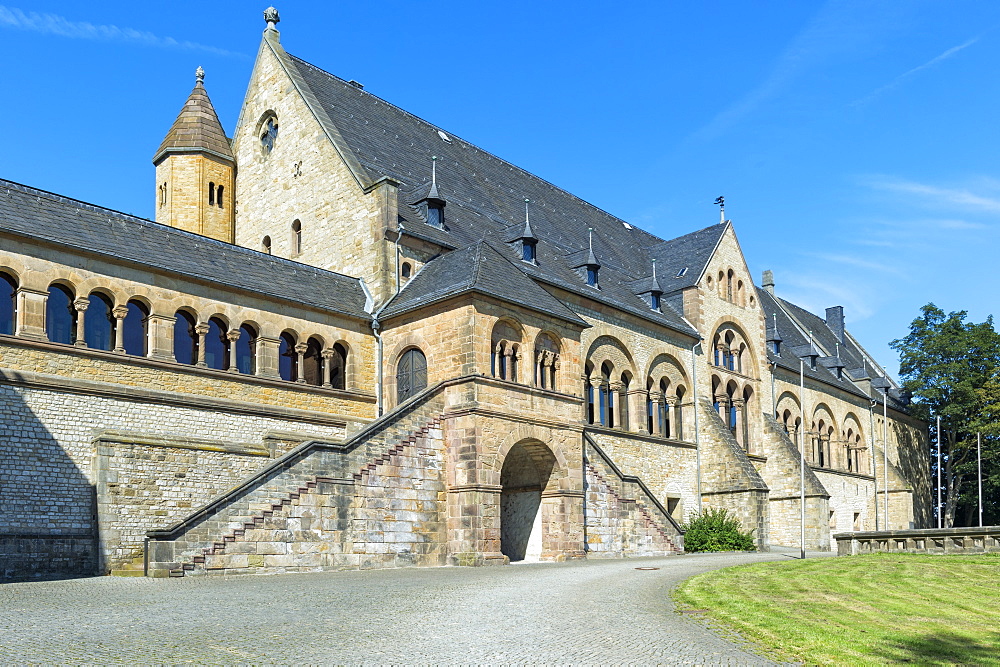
(854, 142)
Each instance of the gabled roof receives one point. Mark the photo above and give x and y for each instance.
(796, 324)
(691, 251)
(197, 129)
(476, 268)
(485, 194)
(35, 214)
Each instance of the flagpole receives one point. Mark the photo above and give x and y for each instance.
(979, 461)
(802, 461)
(939, 470)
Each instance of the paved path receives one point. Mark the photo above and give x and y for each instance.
(593, 612)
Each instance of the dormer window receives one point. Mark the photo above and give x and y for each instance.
(776, 347)
(654, 301)
(435, 214)
(592, 275)
(528, 250)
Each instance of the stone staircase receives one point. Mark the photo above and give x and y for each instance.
(623, 517)
(309, 509)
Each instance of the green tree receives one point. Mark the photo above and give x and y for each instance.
(952, 369)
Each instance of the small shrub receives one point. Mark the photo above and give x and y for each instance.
(715, 530)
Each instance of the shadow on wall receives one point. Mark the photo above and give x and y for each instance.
(914, 464)
(941, 648)
(47, 506)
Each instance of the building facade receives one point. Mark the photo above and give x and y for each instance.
(351, 339)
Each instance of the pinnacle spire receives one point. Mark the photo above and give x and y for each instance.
(433, 192)
(527, 233)
(591, 257)
(197, 128)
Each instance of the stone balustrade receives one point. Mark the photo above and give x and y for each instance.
(925, 540)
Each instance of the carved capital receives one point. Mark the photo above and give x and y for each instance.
(233, 335)
(81, 304)
(120, 312)
(301, 348)
(201, 329)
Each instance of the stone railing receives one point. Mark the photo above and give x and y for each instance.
(923, 540)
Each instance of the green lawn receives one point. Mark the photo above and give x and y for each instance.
(878, 608)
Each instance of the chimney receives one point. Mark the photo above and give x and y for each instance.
(835, 320)
(768, 282)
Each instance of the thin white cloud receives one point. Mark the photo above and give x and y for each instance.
(935, 195)
(858, 262)
(919, 68)
(816, 293)
(53, 24)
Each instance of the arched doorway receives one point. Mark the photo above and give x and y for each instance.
(526, 472)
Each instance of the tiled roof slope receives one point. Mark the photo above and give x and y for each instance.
(36, 214)
(476, 268)
(197, 128)
(485, 195)
(825, 340)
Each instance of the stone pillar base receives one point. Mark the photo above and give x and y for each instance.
(473, 559)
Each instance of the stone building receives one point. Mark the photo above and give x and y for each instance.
(352, 339)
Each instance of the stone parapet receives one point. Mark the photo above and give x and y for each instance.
(923, 540)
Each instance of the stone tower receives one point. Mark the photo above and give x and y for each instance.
(196, 171)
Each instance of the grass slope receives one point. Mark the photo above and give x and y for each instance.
(928, 610)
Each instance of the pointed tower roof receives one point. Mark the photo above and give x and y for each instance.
(197, 128)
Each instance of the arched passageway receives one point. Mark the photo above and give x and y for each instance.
(525, 474)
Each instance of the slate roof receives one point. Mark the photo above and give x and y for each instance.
(36, 214)
(476, 268)
(196, 129)
(794, 326)
(485, 198)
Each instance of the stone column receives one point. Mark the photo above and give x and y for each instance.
(495, 371)
(723, 401)
(721, 348)
(232, 336)
(160, 337)
(586, 383)
(596, 383)
(554, 372)
(659, 400)
(30, 314)
(615, 395)
(327, 355)
(669, 411)
(266, 357)
(120, 312)
(81, 308)
(508, 355)
(637, 410)
(300, 373)
(202, 330)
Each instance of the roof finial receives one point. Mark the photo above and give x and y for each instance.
(590, 231)
(654, 270)
(271, 16)
(721, 202)
(434, 172)
(199, 75)
(838, 350)
(526, 202)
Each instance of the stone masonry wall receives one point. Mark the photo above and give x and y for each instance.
(56, 479)
(303, 178)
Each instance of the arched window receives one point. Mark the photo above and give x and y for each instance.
(313, 365)
(99, 323)
(664, 410)
(296, 237)
(406, 270)
(588, 392)
(268, 134)
(134, 329)
(265, 245)
(650, 408)
(218, 197)
(60, 315)
(546, 358)
(217, 345)
(623, 420)
(607, 413)
(185, 338)
(8, 304)
(411, 374)
(729, 285)
(163, 194)
(246, 357)
(288, 358)
(211, 193)
(504, 351)
(338, 367)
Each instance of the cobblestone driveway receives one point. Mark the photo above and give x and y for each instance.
(594, 612)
